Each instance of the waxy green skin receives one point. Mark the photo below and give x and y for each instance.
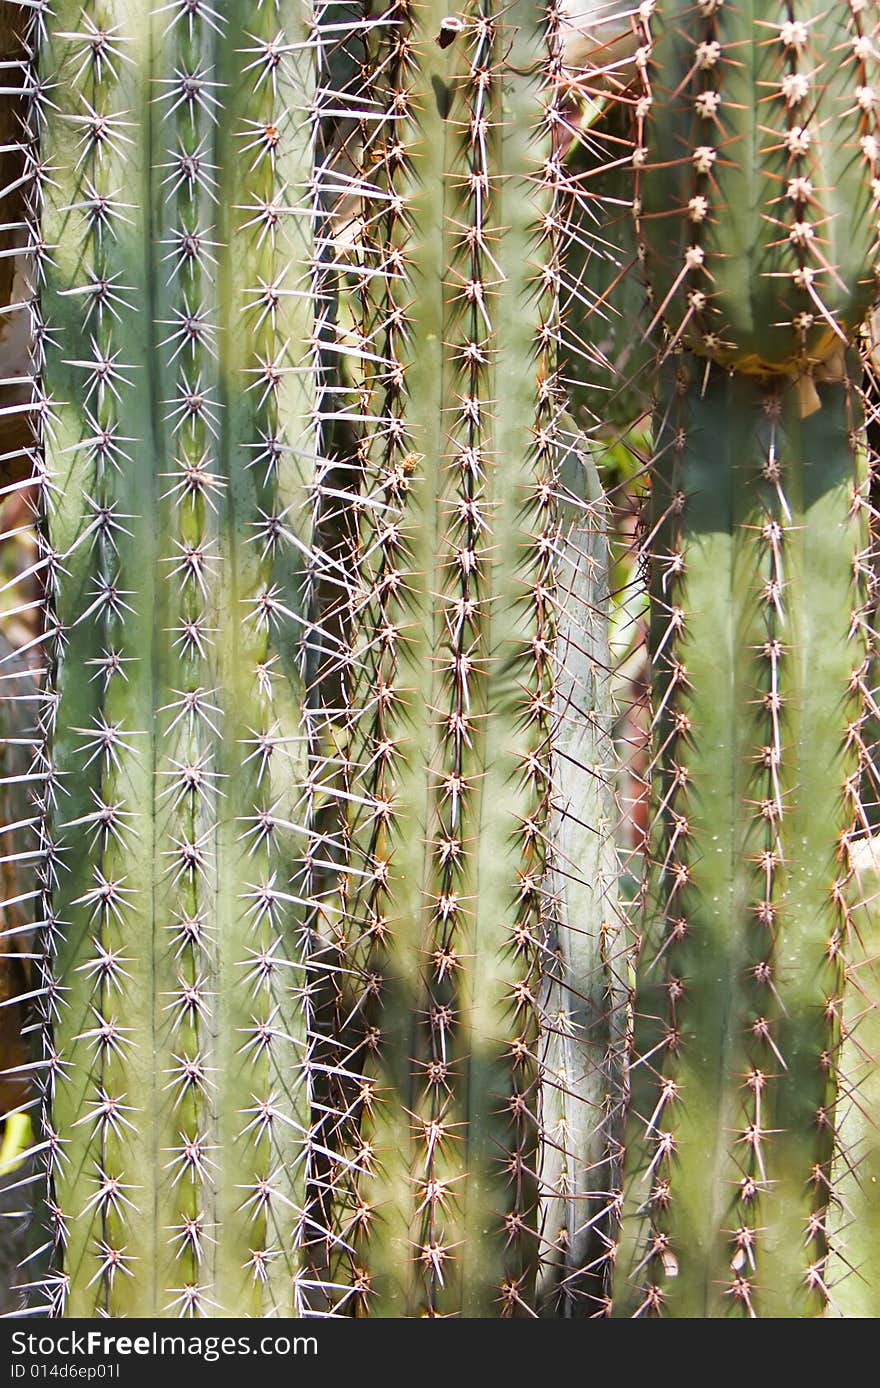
(187, 894)
(444, 1220)
(792, 145)
(740, 972)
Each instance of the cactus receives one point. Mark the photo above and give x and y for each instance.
(756, 211)
(180, 443)
(330, 995)
(449, 683)
(20, 570)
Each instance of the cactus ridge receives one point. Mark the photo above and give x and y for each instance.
(176, 231)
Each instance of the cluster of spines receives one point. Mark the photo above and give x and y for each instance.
(176, 476)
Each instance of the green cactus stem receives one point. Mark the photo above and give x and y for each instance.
(586, 984)
(754, 534)
(450, 679)
(180, 442)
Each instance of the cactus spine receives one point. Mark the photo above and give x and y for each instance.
(760, 120)
(180, 441)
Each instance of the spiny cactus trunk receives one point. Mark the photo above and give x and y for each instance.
(756, 208)
(19, 578)
(179, 445)
(752, 537)
(20, 588)
(447, 774)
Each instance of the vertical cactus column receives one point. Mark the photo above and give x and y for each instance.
(180, 439)
(450, 676)
(756, 208)
(19, 600)
(585, 985)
